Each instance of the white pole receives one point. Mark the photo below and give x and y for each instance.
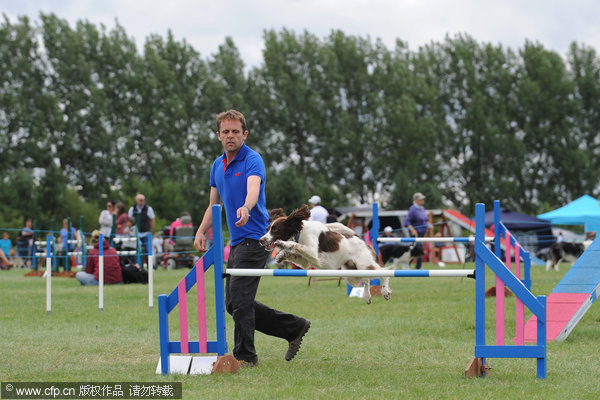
(431, 239)
(101, 274)
(150, 274)
(423, 273)
(48, 275)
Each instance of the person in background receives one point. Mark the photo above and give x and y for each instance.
(106, 218)
(129, 232)
(317, 212)
(157, 247)
(178, 223)
(238, 180)
(5, 248)
(122, 218)
(417, 221)
(25, 242)
(4, 261)
(388, 232)
(67, 235)
(112, 268)
(147, 218)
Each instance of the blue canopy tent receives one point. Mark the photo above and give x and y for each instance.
(583, 211)
(533, 233)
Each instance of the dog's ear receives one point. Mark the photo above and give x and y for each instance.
(294, 220)
(302, 213)
(276, 213)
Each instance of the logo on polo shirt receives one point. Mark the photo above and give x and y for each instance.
(238, 173)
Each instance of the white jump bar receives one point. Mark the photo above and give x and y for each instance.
(431, 239)
(335, 273)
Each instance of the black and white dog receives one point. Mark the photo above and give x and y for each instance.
(400, 254)
(567, 252)
(323, 246)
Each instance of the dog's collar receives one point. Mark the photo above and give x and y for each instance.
(297, 237)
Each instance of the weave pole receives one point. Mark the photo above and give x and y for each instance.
(336, 273)
(101, 274)
(150, 274)
(48, 275)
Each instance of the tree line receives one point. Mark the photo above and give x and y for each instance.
(85, 116)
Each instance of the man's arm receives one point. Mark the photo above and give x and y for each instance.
(200, 240)
(253, 190)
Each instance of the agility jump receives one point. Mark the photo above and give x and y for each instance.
(214, 256)
(48, 274)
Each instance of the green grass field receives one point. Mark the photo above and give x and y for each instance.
(414, 346)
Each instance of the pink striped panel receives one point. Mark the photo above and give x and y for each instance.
(500, 304)
(183, 317)
(202, 338)
(499, 312)
(520, 308)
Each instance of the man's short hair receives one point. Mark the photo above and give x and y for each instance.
(231, 115)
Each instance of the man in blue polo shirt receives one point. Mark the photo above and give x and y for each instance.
(237, 179)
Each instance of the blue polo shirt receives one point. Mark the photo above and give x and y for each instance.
(231, 183)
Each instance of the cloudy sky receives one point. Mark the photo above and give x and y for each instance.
(205, 23)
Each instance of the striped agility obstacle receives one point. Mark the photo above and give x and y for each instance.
(214, 256)
(166, 304)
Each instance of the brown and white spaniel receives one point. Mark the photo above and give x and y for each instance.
(322, 246)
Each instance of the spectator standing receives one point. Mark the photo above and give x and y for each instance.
(25, 242)
(122, 218)
(147, 217)
(238, 179)
(106, 218)
(112, 268)
(417, 221)
(317, 212)
(67, 235)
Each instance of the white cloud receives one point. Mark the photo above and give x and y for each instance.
(205, 24)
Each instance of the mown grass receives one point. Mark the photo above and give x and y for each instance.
(414, 346)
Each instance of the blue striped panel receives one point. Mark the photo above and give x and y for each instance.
(411, 273)
(290, 272)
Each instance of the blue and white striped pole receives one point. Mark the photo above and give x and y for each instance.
(469, 239)
(101, 274)
(150, 273)
(336, 273)
(49, 274)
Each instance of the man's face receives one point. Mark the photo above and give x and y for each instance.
(231, 135)
(420, 202)
(140, 201)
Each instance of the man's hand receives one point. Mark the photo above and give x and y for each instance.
(200, 242)
(243, 214)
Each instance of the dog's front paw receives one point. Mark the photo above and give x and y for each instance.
(387, 294)
(285, 245)
(281, 256)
